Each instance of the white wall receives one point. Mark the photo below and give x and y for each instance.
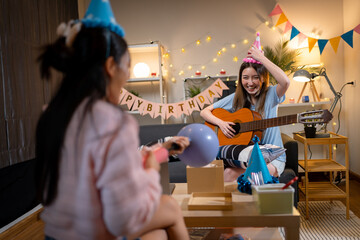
(352, 72)
(180, 23)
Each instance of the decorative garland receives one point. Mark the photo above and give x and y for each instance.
(186, 107)
(347, 37)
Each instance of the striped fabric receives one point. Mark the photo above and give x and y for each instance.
(327, 220)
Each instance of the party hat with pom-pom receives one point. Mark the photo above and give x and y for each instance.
(257, 44)
(100, 14)
(257, 163)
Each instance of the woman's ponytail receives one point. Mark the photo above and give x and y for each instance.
(56, 55)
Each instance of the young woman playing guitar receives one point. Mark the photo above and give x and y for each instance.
(253, 92)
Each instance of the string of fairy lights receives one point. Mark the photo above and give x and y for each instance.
(229, 50)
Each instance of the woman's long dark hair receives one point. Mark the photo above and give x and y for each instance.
(84, 77)
(241, 98)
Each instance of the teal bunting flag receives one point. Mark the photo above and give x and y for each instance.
(348, 37)
(322, 43)
(294, 32)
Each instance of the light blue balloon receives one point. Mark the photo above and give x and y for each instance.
(204, 145)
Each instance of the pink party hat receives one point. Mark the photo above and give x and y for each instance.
(258, 45)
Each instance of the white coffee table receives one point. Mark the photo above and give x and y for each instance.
(243, 214)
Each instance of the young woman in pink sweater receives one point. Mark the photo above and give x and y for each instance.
(90, 174)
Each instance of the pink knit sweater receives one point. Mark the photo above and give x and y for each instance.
(103, 190)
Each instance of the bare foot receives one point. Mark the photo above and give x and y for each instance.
(231, 174)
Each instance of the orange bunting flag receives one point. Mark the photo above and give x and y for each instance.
(277, 10)
(281, 19)
(312, 42)
(335, 43)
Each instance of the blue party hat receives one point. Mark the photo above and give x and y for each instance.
(257, 163)
(100, 14)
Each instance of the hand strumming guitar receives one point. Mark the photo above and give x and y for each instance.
(226, 128)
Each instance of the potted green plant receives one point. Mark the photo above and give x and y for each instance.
(192, 91)
(283, 56)
(136, 93)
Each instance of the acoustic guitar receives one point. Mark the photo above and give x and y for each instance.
(249, 123)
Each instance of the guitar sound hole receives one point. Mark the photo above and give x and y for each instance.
(236, 127)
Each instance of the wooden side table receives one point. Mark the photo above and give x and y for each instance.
(324, 190)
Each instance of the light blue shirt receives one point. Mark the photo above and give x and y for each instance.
(270, 135)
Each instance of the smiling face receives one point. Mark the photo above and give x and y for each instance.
(119, 73)
(251, 81)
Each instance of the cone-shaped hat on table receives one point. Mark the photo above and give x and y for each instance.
(100, 14)
(257, 163)
(256, 44)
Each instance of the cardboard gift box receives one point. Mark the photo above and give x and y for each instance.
(209, 178)
(271, 199)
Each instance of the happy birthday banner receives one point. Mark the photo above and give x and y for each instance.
(347, 37)
(186, 107)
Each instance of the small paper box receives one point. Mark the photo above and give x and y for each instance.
(210, 201)
(271, 199)
(209, 178)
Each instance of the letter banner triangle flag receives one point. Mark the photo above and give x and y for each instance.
(277, 10)
(322, 43)
(357, 29)
(312, 42)
(335, 43)
(281, 19)
(348, 37)
(294, 32)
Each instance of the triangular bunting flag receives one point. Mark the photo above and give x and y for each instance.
(357, 29)
(191, 105)
(201, 100)
(149, 108)
(322, 43)
(138, 104)
(288, 26)
(180, 109)
(281, 19)
(128, 100)
(277, 10)
(170, 110)
(212, 93)
(123, 91)
(220, 86)
(312, 42)
(348, 37)
(294, 32)
(301, 38)
(335, 43)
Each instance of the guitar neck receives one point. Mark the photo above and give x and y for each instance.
(267, 123)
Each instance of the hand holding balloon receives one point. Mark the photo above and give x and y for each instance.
(177, 144)
(196, 144)
(161, 152)
(204, 145)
